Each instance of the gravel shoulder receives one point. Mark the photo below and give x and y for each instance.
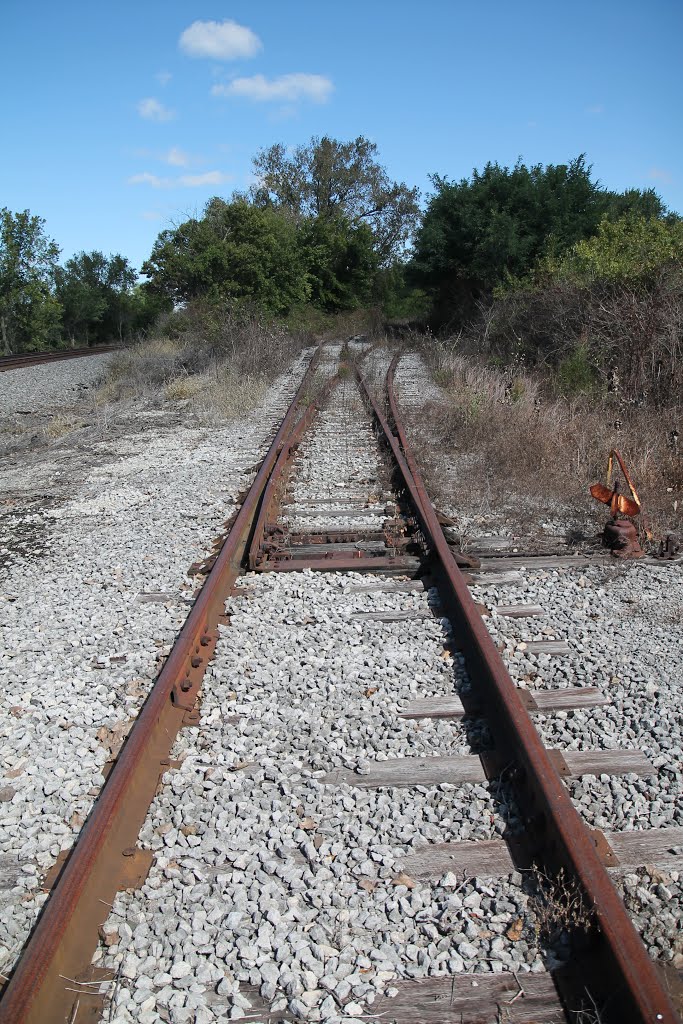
(59, 384)
(97, 535)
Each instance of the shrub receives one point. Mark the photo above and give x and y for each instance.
(576, 375)
(631, 249)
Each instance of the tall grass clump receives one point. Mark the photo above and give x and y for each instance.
(531, 438)
(220, 359)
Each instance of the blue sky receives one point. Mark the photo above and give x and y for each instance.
(120, 119)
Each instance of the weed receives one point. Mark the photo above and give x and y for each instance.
(221, 360)
(60, 425)
(576, 375)
(185, 387)
(559, 905)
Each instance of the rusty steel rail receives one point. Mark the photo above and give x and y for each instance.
(618, 963)
(105, 857)
(268, 504)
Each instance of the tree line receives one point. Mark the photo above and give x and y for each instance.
(519, 259)
(91, 299)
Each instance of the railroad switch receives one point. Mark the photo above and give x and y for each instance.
(620, 534)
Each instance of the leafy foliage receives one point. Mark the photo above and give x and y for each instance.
(241, 252)
(400, 301)
(492, 229)
(328, 178)
(96, 295)
(340, 262)
(631, 248)
(235, 251)
(29, 313)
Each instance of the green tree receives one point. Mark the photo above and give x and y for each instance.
(29, 312)
(80, 289)
(328, 178)
(235, 251)
(637, 203)
(144, 306)
(120, 281)
(340, 262)
(480, 232)
(95, 292)
(393, 294)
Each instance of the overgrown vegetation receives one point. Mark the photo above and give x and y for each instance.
(605, 318)
(559, 305)
(528, 441)
(221, 360)
(491, 230)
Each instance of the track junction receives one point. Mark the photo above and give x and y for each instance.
(340, 493)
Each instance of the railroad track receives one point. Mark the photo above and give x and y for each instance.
(37, 358)
(352, 705)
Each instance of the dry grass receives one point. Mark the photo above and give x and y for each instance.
(60, 425)
(559, 905)
(533, 444)
(219, 362)
(185, 387)
(222, 395)
(233, 394)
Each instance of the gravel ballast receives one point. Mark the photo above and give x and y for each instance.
(56, 384)
(93, 590)
(271, 883)
(275, 887)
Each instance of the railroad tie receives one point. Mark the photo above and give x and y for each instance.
(571, 698)
(406, 772)
(492, 858)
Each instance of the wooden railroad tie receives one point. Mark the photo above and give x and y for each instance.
(407, 772)
(539, 701)
(491, 858)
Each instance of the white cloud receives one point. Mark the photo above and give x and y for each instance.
(286, 88)
(151, 215)
(659, 174)
(152, 110)
(209, 178)
(596, 108)
(176, 157)
(220, 40)
(147, 179)
(163, 77)
(183, 181)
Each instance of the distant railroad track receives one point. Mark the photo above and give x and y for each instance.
(397, 533)
(36, 358)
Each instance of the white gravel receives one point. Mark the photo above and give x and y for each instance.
(55, 384)
(269, 885)
(80, 645)
(266, 878)
(624, 624)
